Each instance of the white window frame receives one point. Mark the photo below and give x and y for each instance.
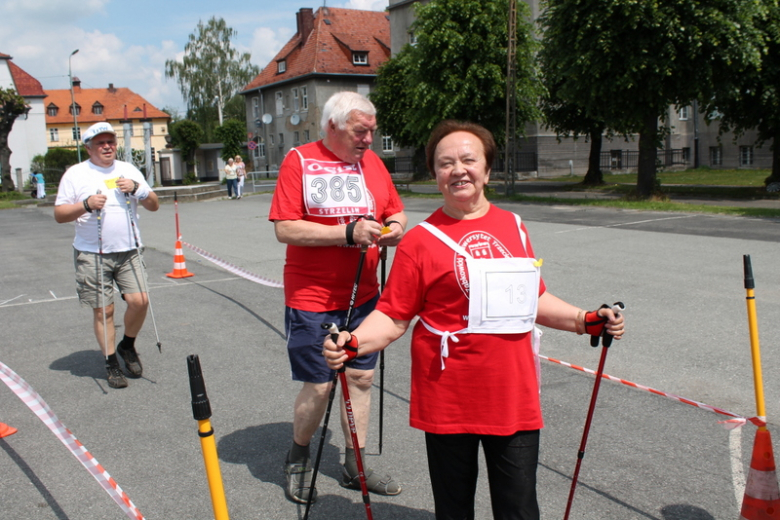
(281, 66)
(746, 156)
(76, 133)
(716, 156)
(305, 136)
(279, 97)
(684, 113)
(54, 135)
(77, 107)
(360, 58)
(387, 144)
(256, 107)
(51, 109)
(304, 98)
(295, 103)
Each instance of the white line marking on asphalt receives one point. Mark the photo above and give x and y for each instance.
(737, 474)
(52, 293)
(12, 299)
(627, 223)
(164, 286)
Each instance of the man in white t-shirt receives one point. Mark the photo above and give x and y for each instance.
(101, 196)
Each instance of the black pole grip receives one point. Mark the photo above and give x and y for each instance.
(175, 197)
(750, 283)
(201, 408)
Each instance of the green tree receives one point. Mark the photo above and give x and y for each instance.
(456, 70)
(12, 105)
(755, 102)
(624, 62)
(187, 136)
(211, 72)
(231, 135)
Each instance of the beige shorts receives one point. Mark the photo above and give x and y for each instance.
(124, 269)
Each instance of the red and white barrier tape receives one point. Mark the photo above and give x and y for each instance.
(735, 422)
(36, 403)
(240, 271)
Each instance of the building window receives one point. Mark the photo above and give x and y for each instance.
(271, 139)
(295, 99)
(97, 109)
(279, 103)
(54, 134)
(52, 110)
(387, 144)
(686, 155)
(261, 148)
(716, 156)
(76, 131)
(296, 138)
(304, 99)
(412, 39)
(256, 107)
(745, 155)
(78, 110)
(684, 113)
(305, 136)
(281, 66)
(162, 130)
(281, 140)
(360, 58)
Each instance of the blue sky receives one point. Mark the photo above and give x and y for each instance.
(127, 42)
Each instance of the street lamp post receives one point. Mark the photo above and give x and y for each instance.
(73, 107)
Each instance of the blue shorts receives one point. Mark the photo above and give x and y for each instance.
(305, 337)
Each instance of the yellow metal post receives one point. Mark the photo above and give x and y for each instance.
(201, 410)
(755, 348)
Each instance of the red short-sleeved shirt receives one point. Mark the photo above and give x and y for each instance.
(320, 279)
(489, 384)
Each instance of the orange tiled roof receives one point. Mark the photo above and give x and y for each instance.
(112, 99)
(25, 85)
(336, 34)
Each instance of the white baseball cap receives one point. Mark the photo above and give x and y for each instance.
(97, 128)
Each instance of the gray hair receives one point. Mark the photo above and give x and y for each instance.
(339, 107)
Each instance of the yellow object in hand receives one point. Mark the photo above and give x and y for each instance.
(386, 230)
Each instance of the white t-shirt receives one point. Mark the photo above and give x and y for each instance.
(85, 179)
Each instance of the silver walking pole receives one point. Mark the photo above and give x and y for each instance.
(100, 276)
(143, 268)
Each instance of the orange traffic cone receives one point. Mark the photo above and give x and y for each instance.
(762, 495)
(6, 430)
(179, 266)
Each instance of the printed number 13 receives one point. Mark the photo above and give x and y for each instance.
(521, 294)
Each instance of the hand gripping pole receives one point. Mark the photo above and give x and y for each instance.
(201, 411)
(617, 307)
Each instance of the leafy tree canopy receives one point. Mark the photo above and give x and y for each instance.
(231, 135)
(12, 105)
(187, 136)
(624, 62)
(457, 69)
(211, 71)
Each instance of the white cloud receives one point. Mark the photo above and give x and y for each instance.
(267, 42)
(367, 5)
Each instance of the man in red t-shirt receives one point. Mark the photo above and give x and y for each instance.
(324, 191)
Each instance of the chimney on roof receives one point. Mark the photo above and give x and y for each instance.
(76, 84)
(305, 21)
(111, 88)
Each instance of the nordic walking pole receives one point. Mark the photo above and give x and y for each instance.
(143, 268)
(334, 335)
(755, 349)
(606, 342)
(100, 268)
(383, 264)
(176, 212)
(352, 299)
(201, 411)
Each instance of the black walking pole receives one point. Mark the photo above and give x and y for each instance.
(606, 341)
(352, 299)
(383, 260)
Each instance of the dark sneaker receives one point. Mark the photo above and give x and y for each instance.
(116, 379)
(132, 363)
(299, 482)
(381, 486)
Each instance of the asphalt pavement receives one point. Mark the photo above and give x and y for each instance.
(647, 457)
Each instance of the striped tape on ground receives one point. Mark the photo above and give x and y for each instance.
(36, 403)
(735, 422)
(240, 271)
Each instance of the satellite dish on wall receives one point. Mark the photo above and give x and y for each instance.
(295, 119)
(267, 119)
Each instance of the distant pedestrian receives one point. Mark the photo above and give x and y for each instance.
(241, 174)
(41, 185)
(230, 177)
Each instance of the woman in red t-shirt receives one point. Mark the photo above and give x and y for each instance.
(470, 274)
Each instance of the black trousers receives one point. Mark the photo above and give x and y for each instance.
(511, 464)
